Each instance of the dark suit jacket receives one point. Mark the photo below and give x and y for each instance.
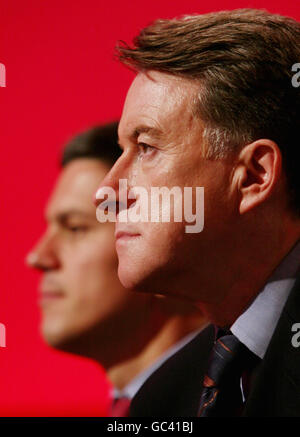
(276, 389)
(173, 389)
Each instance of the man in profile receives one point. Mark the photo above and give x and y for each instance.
(85, 309)
(213, 105)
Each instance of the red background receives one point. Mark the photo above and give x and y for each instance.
(61, 78)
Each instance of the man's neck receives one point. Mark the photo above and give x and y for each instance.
(174, 330)
(247, 286)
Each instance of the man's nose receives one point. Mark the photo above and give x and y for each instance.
(115, 185)
(43, 256)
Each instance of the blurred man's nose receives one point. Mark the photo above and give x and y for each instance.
(43, 256)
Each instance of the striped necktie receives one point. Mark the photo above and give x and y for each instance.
(222, 395)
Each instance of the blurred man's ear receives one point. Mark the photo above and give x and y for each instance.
(257, 173)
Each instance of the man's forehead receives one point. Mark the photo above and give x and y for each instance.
(134, 129)
(67, 202)
(74, 189)
(152, 89)
(66, 212)
(153, 100)
(161, 79)
(63, 205)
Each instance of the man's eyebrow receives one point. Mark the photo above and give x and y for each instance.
(63, 216)
(142, 129)
(154, 132)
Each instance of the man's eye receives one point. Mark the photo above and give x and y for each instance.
(76, 229)
(145, 149)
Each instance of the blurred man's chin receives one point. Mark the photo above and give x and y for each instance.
(72, 339)
(54, 339)
(58, 337)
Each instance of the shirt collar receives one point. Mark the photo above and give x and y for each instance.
(256, 325)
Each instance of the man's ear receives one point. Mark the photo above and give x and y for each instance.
(257, 173)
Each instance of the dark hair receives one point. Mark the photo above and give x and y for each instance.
(242, 60)
(99, 142)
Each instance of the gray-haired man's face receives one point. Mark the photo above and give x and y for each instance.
(162, 147)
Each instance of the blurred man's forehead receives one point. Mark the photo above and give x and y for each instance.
(66, 213)
(75, 187)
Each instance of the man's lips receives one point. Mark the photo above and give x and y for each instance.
(48, 295)
(125, 236)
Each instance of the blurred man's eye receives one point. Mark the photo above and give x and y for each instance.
(75, 229)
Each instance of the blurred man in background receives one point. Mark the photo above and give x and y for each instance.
(145, 342)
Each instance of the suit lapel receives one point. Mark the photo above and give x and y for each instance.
(174, 389)
(276, 388)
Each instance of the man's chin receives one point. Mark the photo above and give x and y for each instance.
(141, 281)
(58, 339)
(53, 339)
(82, 340)
(130, 278)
